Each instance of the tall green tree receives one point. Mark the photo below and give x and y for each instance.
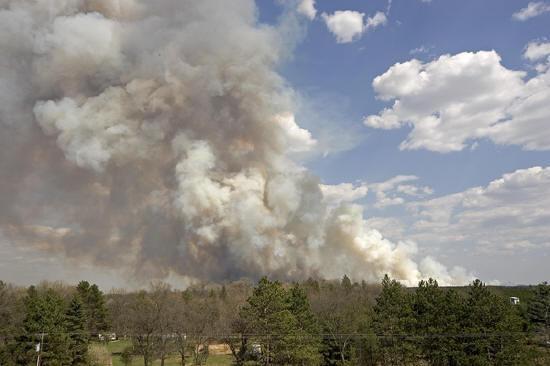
(493, 330)
(393, 322)
(44, 323)
(539, 309)
(307, 328)
(429, 312)
(10, 318)
(276, 329)
(93, 301)
(76, 327)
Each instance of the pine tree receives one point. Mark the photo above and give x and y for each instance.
(95, 310)
(428, 309)
(76, 326)
(307, 340)
(45, 314)
(223, 293)
(10, 312)
(493, 328)
(539, 309)
(272, 322)
(346, 283)
(393, 321)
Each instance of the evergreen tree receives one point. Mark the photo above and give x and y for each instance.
(539, 309)
(346, 283)
(272, 322)
(428, 309)
(95, 310)
(307, 329)
(45, 314)
(451, 319)
(76, 326)
(223, 293)
(393, 322)
(10, 315)
(492, 330)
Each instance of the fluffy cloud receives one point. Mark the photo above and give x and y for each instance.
(348, 25)
(456, 99)
(535, 51)
(307, 8)
(532, 10)
(509, 214)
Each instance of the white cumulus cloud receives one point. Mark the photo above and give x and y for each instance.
(456, 99)
(536, 50)
(346, 25)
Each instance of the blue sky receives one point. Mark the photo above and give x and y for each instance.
(322, 68)
(335, 79)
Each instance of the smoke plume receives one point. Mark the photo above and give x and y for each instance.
(157, 136)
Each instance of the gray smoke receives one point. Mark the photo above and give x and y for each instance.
(157, 136)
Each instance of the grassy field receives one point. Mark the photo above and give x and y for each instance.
(115, 348)
(213, 360)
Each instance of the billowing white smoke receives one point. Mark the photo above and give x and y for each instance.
(157, 136)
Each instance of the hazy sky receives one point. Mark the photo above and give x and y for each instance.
(434, 116)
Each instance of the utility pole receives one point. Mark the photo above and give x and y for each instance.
(39, 349)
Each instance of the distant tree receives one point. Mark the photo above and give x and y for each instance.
(223, 293)
(346, 283)
(76, 327)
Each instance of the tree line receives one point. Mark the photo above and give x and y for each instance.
(315, 322)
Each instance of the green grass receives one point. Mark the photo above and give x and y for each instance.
(213, 360)
(116, 347)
